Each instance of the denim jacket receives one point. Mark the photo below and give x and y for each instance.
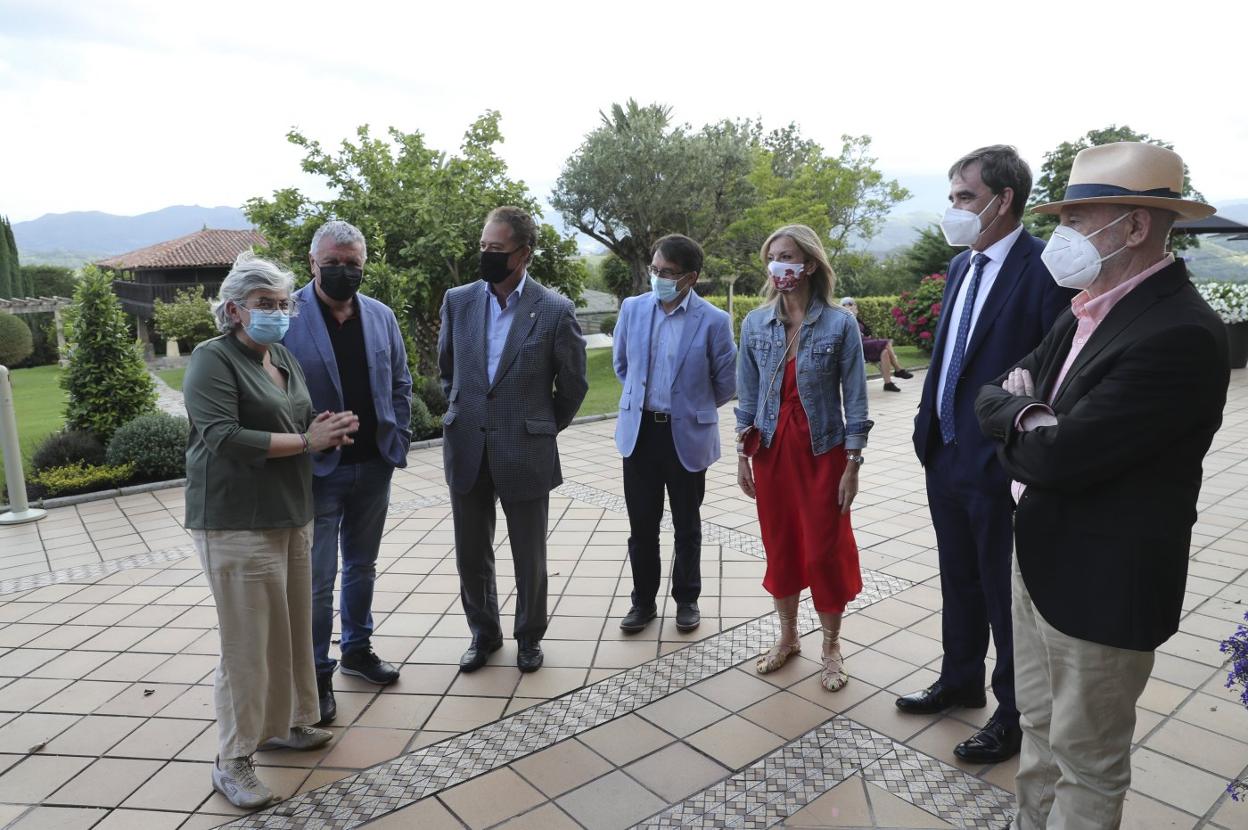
(829, 367)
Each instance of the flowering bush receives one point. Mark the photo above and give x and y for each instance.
(918, 312)
(1228, 299)
(1237, 647)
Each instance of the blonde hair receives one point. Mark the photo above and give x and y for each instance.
(822, 280)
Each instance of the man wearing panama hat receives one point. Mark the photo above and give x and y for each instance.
(1103, 428)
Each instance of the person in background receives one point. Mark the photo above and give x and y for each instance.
(352, 353)
(803, 415)
(512, 364)
(249, 511)
(877, 350)
(674, 356)
(999, 301)
(1103, 429)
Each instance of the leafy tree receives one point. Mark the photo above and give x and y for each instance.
(6, 272)
(188, 318)
(106, 379)
(861, 274)
(618, 276)
(17, 284)
(421, 211)
(929, 254)
(637, 178)
(16, 343)
(1055, 174)
(49, 280)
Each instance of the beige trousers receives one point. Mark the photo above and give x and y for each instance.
(1076, 702)
(265, 683)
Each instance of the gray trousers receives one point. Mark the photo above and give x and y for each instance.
(474, 516)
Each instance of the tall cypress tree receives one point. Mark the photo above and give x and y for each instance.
(19, 287)
(6, 272)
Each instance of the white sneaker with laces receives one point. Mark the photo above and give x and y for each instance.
(236, 779)
(300, 737)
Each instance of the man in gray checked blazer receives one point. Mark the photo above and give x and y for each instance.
(512, 363)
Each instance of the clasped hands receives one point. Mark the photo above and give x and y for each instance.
(1018, 382)
(330, 430)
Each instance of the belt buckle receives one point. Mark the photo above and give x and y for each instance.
(662, 417)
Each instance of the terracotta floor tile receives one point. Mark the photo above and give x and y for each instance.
(1233, 815)
(612, 802)
(1144, 812)
(459, 714)
(58, 818)
(37, 777)
(564, 766)
(786, 714)
(194, 703)
(676, 771)
(27, 731)
(682, 713)
(21, 661)
(426, 814)
(83, 697)
(106, 783)
(93, 735)
(488, 681)
(26, 693)
(181, 668)
(141, 820)
(491, 798)
(428, 678)
(625, 739)
(160, 738)
(1174, 782)
(546, 817)
(178, 786)
(893, 812)
(73, 664)
(880, 712)
(845, 805)
(393, 711)
(364, 746)
(735, 742)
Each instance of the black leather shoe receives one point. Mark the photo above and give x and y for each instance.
(325, 696)
(688, 617)
(477, 654)
(938, 697)
(993, 744)
(363, 663)
(529, 657)
(637, 618)
(904, 374)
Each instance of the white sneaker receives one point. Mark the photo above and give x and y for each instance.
(300, 737)
(236, 780)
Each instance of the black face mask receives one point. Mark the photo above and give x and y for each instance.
(493, 266)
(340, 282)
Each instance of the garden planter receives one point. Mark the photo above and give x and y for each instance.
(1237, 341)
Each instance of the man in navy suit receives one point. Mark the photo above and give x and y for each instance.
(675, 357)
(998, 304)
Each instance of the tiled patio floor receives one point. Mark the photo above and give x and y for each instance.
(105, 676)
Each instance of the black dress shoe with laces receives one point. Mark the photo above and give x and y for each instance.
(638, 618)
(688, 617)
(993, 744)
(529, 657)
(938, 697)
(325, 696)
(363, 663)
(904, 374)
(478, 653)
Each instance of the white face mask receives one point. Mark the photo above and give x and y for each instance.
(961, 227)
(1072, 259)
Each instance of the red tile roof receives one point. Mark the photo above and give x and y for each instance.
(202, 249)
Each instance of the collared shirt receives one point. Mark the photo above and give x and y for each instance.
(234, 409)
(666, 327)
(347, 340)
(996, 253)
(498, 324)
(1089, 313)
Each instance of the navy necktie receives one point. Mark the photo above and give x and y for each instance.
(947, 432)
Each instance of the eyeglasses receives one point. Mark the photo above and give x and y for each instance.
(265, 304)
(665, 274)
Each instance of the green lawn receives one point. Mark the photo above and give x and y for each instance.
(173, 377)
(912, 357)
(604, 387)
(40, 405)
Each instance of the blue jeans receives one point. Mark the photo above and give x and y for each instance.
(351, 504)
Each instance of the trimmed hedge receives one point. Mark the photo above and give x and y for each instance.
(78, 478)
(741, 306)
(16, 342)
(607, 326)
(877, 313)
(153, 445)
(71, 446)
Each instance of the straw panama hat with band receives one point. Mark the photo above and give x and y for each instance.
(1128, 173)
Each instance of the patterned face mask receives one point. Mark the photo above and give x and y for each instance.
(785, 275)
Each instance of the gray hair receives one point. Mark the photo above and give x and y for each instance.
(340, 233)
(250, 273)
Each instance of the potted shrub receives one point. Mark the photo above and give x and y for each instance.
(1236, 647)
(1230, 301)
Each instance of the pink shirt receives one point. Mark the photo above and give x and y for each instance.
(1089, 312)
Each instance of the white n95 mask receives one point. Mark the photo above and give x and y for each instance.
(961, 227)
(1072, 259)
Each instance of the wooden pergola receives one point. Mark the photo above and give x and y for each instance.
(43, 305)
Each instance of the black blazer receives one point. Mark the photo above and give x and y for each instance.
(1022, 306)
(1103, 531)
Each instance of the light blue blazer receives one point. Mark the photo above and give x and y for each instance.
(704, 380)
(388, 375)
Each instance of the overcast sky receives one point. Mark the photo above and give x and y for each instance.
(134, 105)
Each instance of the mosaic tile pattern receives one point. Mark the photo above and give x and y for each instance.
(777, 786)
(94, 571)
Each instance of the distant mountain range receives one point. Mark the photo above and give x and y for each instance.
(71, 239)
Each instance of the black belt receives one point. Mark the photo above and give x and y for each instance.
(657, 417)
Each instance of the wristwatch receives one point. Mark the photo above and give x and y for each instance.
(856, 458)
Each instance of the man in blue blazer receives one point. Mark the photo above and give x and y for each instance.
(674, 355)
(998, 304)
(353, 356)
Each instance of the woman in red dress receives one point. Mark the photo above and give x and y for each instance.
(803, 418)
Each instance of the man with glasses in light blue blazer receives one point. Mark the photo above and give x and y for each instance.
(675, 356)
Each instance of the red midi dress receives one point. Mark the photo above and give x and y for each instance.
(808, 540)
